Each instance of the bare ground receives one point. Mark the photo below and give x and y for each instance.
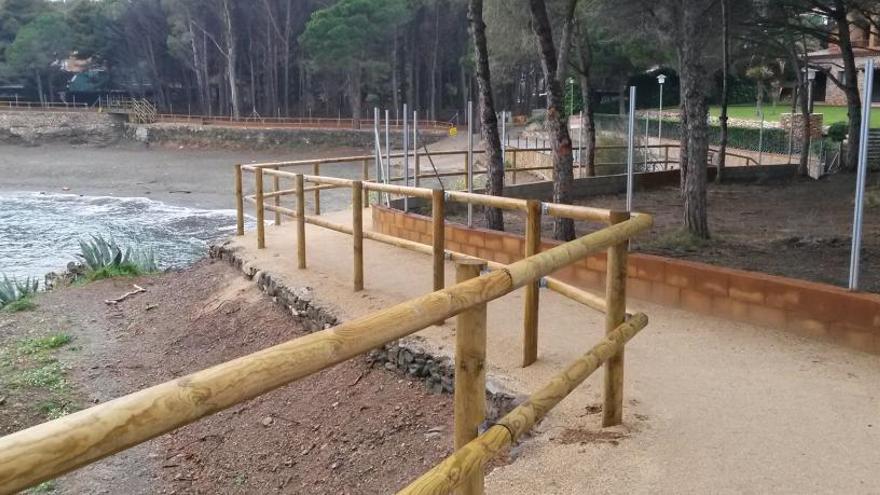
(349, 429)
(800, 228)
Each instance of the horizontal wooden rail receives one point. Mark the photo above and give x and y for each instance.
(48, 450)
(472, 458)
(415, 192)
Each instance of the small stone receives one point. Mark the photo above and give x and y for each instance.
(267, 421)
(390, 366)
(334, 465)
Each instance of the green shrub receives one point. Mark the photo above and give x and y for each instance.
(837, 131)
(25, 304)
(104, 258)
(12, 289)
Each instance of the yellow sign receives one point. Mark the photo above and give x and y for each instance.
(453, 131)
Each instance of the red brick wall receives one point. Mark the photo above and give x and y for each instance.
(807, 308)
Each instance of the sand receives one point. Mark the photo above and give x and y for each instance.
(712, 406)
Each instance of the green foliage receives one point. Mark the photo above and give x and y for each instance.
(38, 43)
(44, 487)
(101, 254)
(25, 304)
(837, 131)
(351, 32)
(122, 270)
(35, 346)
(12, 289)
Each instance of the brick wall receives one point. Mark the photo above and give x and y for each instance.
(807, 308)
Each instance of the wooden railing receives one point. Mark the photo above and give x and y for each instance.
(464, 469)
(48, 450)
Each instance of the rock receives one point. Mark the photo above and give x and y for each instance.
(267, 421)
(390, 366)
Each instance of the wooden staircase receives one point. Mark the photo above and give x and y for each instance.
(139, 110)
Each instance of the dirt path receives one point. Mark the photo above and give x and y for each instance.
(350, 429)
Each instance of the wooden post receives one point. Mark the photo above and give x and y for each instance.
(300, 222)
(530, 319)
(418, 169)
(239, 202)
(665, 157)
(261, 211)
(470, 372)
(276, 186)
(438, 217)
(514, 166)
(365, 176)
(615, 302)
(357, 233)
(316, 170)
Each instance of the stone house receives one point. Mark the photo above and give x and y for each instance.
(866, 45)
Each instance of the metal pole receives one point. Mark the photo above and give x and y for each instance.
(761, 140)
(415, 147)
(405, 154)
(503, 137)
(581, 147)
(387, 155)
(660, 118)
(470, 160)
(646, 143)
(630, 145)
(376, 148)
(855, 253)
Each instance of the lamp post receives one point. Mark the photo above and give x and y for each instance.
(811, 76)
(661, 79)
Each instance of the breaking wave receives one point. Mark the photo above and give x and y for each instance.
(40, 233)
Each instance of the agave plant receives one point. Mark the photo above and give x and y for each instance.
(12, 289)
(99, 252)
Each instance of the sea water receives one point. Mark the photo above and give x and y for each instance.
(40, 233)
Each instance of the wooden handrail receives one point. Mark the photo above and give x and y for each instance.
(464, 462)
(48, 450)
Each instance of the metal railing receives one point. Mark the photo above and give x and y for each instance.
(48, 450)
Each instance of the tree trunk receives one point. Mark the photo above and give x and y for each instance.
(40, 87)
(286, 88)
(354, 96)
(588, 96)
(395, 67)
(851, 87)
(435, 55)
(693, 78)
(488, 117)
(231, 59)
(563, 173)
(725, 69)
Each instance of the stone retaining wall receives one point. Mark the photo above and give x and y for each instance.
(37, 127)
(262, 137)
(406, 356)
(807, 308)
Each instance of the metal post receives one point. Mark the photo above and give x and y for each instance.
(415, 147)
(630, 145)
(503, 137)
(376, 147)
(405, 155)
(660, 118)
(761, 140)
(581, 163)
(855, 253)
(646, 143)
(470, 161)
(388, 154)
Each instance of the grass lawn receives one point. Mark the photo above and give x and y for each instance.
(771, 113)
